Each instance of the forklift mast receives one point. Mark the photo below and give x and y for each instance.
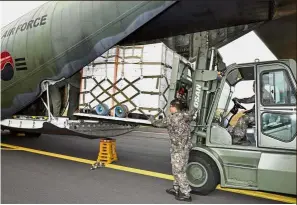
(205, 82)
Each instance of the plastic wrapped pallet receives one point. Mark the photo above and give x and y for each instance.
(135, 76)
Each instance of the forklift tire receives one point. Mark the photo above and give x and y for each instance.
(202, 173)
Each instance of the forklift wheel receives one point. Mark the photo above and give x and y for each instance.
(202, 174)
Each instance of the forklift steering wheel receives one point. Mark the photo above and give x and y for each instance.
(237, 104)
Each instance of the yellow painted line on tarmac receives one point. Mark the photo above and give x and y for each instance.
(50, 154)
(140, 171)
(9, 149)
(274, 197)
(259, 194)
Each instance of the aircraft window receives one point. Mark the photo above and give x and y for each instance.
(278, 89)
(280, 126)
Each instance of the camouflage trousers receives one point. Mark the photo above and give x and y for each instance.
(239, 130)
(179, 161)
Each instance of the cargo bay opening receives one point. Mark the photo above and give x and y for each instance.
(136, 83)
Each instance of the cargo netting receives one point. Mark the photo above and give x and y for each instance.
(110, 90)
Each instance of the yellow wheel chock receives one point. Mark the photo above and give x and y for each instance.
(107, 153)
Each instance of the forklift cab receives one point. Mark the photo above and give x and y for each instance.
(272, 122)
(238, 83)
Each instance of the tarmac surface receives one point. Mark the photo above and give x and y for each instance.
(33, 178)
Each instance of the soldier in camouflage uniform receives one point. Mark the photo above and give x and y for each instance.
(239, 130)
(178, 126)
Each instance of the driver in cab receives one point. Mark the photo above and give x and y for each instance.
(239, 130)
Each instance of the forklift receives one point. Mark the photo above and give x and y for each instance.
(266, 159)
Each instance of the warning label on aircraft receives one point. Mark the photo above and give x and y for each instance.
(39, 21)
(7, 66)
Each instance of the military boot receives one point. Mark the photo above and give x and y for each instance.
(172, 191)
(182, 197)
